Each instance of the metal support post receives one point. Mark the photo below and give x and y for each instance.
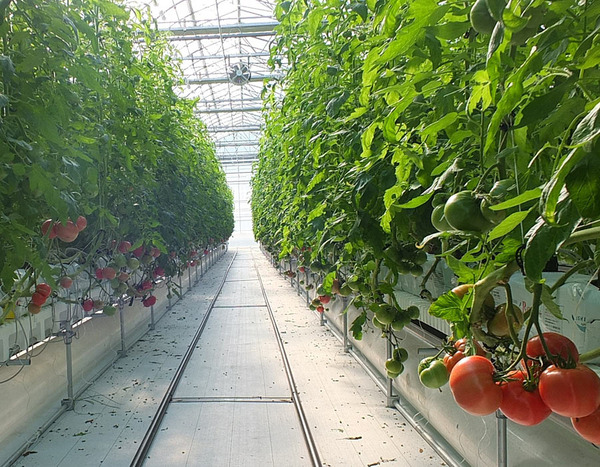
(189, 278)
(121, 304)
(502, 439)
(67, 333)
(196, 279)
(152, 324)
(347, 345)
(307, 275)
(201, 266)
(390, 399)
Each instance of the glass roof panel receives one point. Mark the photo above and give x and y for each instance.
(224, 47)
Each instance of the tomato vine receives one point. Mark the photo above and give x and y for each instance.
(91, 125)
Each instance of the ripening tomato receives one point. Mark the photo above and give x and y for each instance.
(522, 404)
(450, 360)
(473, 386)
(571, 392)
(464, 346)
(563, 348)
(588, 427)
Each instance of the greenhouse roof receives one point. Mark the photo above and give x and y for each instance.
(224, 47)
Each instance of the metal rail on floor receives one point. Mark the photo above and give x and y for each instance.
(308, 438)
(146, 442)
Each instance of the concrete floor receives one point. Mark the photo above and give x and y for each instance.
(233, 405)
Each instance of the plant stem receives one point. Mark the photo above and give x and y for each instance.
(587, 356)
(578, 267)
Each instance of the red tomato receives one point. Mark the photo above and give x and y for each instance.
(38, 298)
(325, 299)
(588, 427)
(43, 289)
(521, 405)
(450, 360)
(572, 392)
(49, 225)
(81, 223)
(473, 386)
(88, 304)
(67, 232)
(560, 346)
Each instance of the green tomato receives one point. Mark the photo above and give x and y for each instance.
(495, 217)
(433, 373)
(400, 354)
(463, 212)
(394, 366)
(378, 324)
(481, 19)
(438, 220)
(385, 314)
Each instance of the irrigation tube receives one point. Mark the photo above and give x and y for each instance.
(308, 438)
(146, 442)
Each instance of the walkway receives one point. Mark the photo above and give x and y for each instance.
(234, 405)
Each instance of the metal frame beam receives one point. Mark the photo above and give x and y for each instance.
(225, 80)
(226, 110)
(233, 35)
(227, 56)
(224, 29)
(227, 129)
(236, 144)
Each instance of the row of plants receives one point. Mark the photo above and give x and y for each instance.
(467, 130)
(107, 176)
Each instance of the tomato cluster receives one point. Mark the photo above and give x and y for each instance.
(552, 380)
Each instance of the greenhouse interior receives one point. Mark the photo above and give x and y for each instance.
(300, 233)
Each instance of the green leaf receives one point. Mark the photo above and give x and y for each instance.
(529, 195)
(335, 104)
(495, 40)
(508, 224)
(549, 303)
(588, 128)
(361, 10)
(496, 8)
(328, 280)
(583, 185)
(449, 307)
(358, 112)
(357, 325)
(552, 190)
(439, 125)
(542, 106)
(543, 239)
(464, 273)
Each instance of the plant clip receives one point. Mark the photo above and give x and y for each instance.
(519, 258)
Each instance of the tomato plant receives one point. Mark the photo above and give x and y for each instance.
(94, 132)
(455, 130)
